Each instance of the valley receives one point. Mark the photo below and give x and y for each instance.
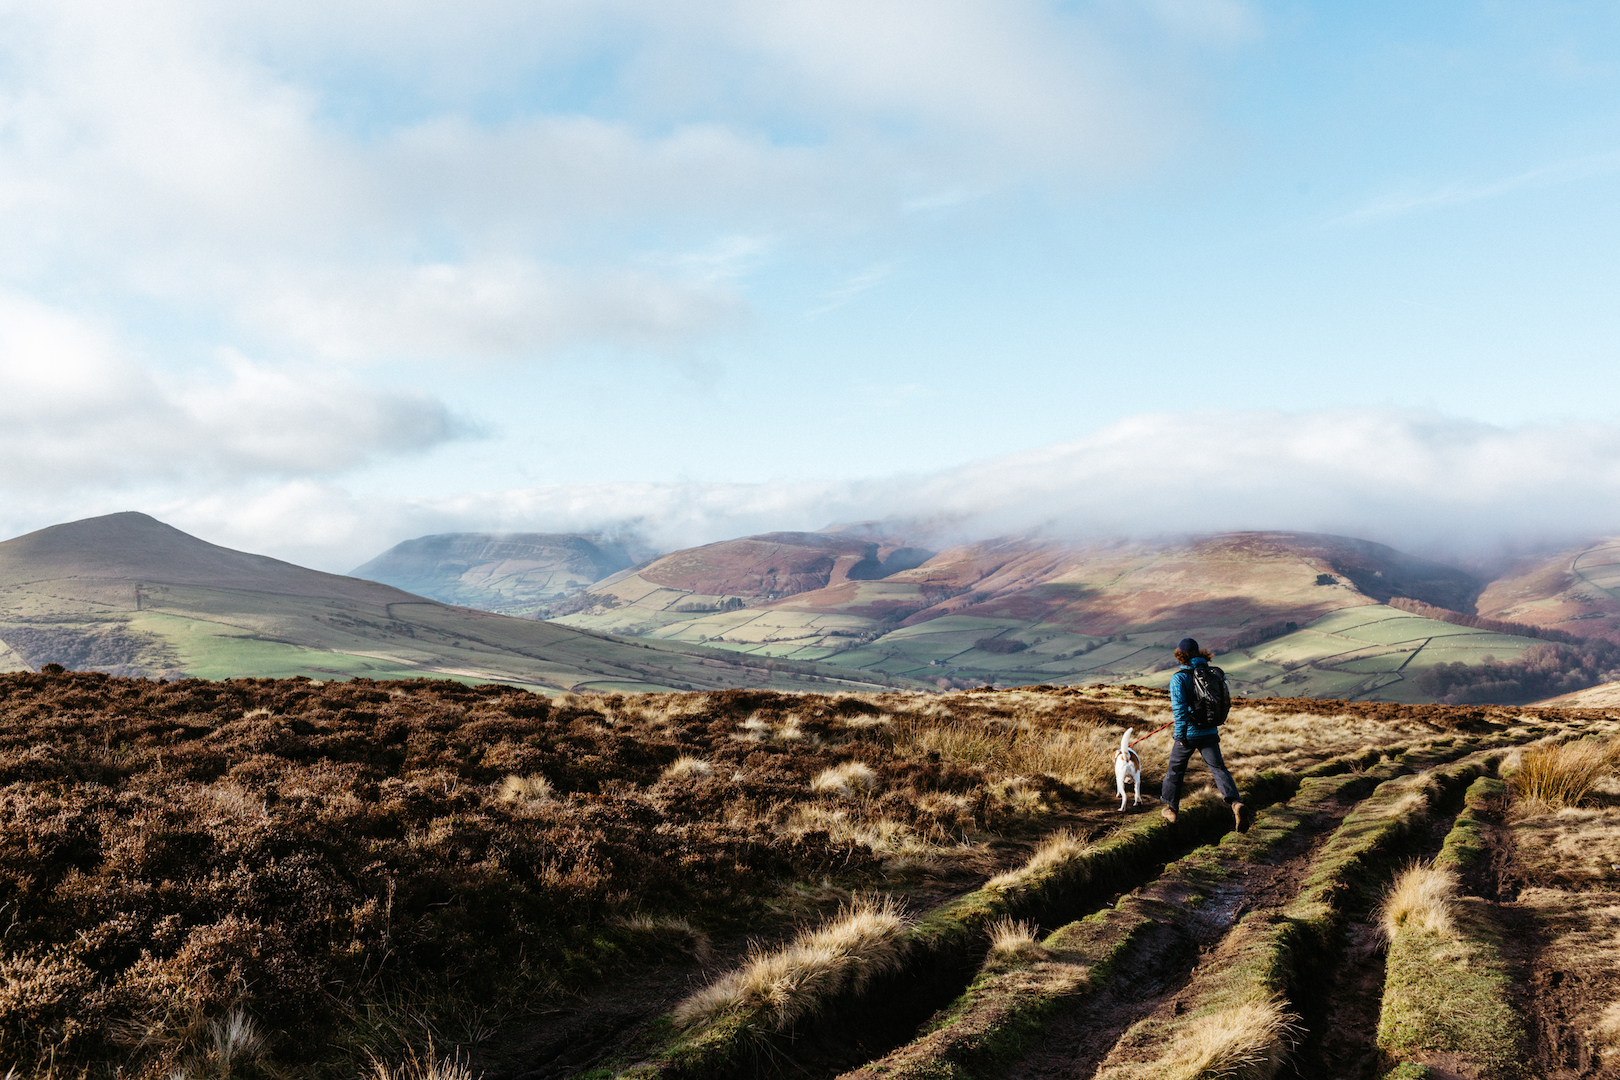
(129, 595)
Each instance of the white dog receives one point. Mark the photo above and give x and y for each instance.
(1127, 763)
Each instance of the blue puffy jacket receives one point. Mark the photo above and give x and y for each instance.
(1182, 699)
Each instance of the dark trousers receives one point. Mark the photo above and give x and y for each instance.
(1181, 752)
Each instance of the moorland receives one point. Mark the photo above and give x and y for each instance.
(1290, 614)
(412, 879)
(1293, 614)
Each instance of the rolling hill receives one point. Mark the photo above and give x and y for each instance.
(513, 574)
(130, 595)
(1576, 591)
(1290, 613)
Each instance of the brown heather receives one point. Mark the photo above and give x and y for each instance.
(247, 878)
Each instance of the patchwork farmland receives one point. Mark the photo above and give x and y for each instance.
(290, 878)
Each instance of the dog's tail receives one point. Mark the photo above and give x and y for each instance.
(1125, 740)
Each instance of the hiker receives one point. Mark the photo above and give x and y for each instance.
(1199, 701)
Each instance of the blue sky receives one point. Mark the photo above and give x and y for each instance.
(314, 278)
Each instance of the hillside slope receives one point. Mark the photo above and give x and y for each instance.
(1576, 591)
(514, 574)
(1294, 613)
(130, 595)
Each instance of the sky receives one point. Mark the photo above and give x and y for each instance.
(312, 279)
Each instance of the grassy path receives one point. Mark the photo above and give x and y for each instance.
(1114, 989)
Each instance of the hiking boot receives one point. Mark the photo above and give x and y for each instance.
(1242, 817)
(1169, 814)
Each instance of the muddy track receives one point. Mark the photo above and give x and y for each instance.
(1139, 945)
(1341, 1015)
(1173, 968)
(1155, 977)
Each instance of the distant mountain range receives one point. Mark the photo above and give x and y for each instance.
(1287, 613)
(1290, 613)
(130, 595)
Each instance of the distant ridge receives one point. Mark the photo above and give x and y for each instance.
(127, 594)
(138, 547)
(512, 573)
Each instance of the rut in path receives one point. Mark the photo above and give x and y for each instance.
(1114, 987)
(1073, 1046)
(1130, 959)
(1341, 1015)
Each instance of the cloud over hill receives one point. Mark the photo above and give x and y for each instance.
(1415, 479)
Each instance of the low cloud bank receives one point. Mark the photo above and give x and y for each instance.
(1420, 481)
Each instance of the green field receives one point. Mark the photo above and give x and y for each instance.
(1372, 652)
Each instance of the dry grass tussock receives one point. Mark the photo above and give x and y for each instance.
(201, 1049)
(781, 730)
(1421, 897)
(1249, 1042)
(1057, 852)
(783, 986)
(885, 836)
(1564, 774)
(520, 789)
(1014, 941)
(847, 780)
(688, 767)
(428, 1066)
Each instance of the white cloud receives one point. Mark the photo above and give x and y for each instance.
(1413, 479)
(229, 160)
(491, 310)
(79, 410)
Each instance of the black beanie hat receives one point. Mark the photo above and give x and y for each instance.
(1188, 648)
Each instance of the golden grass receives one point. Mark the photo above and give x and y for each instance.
(670, 931)
(1563, 774)
(1057, 851)
(427, 1067)
(1249, 1042)
(1013, 941)
(1577, 846)
(519, 789)
(847, 780)
(759, 728)
(1421, 897)
(783, 986)
(687, 767)
(1606, 1034)
(883, 835)
(1266, 739)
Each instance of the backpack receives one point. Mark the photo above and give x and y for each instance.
(1211, 700)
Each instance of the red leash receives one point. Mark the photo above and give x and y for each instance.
(1152, 733)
